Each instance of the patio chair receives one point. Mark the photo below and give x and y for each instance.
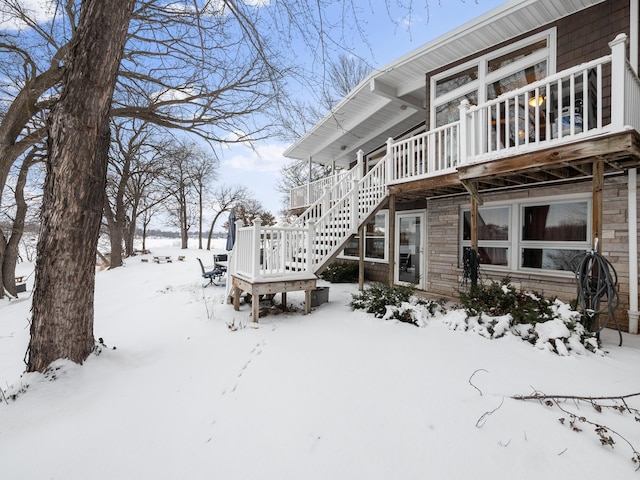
(212, 274)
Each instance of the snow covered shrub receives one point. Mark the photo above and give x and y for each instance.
(341, 272)
(397, 303)
(502, 298)
(546, 323)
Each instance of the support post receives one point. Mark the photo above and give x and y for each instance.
(632, 222)
(596, 214)
(474, 224)
(326, 200)
(392, 238)
(309, 175)
(355, 207)
(361, 246)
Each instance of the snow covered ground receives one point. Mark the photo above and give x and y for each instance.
(337, 394)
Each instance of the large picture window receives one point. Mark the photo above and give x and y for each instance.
(375, 240)
(553, 234)
(547, 235)
(491, 75)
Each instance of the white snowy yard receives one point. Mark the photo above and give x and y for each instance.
(337, 394)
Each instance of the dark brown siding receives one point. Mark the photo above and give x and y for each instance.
(586, 35)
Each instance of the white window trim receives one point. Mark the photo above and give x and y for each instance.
(485, 78)
(385, 259)
(576, 245)
(516, 243)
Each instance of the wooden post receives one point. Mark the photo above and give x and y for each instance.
(255, 307)
(326, 200)
(596, 214)
(474, 224)
(309, 182)
(392, 238)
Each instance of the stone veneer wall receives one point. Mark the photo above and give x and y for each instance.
(443, 247)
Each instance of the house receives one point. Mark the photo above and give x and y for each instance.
(515, 135)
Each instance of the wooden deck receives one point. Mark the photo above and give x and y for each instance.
(271, 286)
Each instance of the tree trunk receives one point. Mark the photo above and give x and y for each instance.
(115, 240)
(12, 248)
(130, 235)
(184, 225)
(62, 322)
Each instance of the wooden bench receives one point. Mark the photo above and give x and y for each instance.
(162, 259)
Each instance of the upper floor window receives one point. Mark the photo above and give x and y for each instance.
(491, 75)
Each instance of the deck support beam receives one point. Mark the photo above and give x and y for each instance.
(596, 214)
(392, 238)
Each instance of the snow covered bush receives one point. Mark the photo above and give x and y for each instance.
(500, 308)
(395, 303)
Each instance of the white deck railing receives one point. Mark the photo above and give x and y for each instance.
(310, 193)
(437, 150)
(332, 192)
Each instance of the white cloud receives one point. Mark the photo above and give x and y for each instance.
(264, 158)
(39, 11)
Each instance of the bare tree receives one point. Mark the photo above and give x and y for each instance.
(78, 141)
(205, 67)
(188, 171)
(224, 197)
(248, 211)
(134, 180)
(34, 156)
(343, 75)
(185, 67)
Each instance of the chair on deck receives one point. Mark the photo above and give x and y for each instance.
(212, 273)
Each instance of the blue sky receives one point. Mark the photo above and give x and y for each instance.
(388, 40)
